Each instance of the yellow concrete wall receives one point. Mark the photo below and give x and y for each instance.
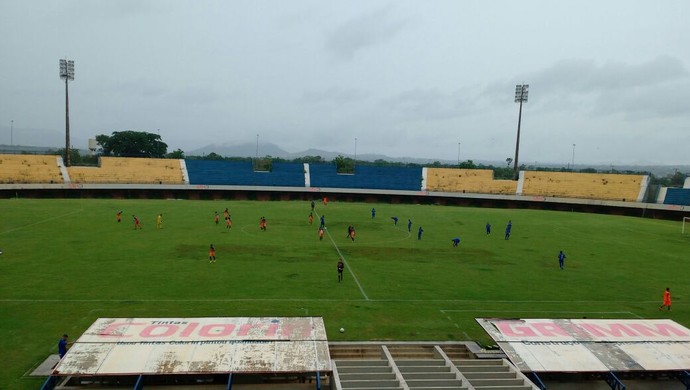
(603, 186)
(29, 169)
(127, 170)
(479, 181)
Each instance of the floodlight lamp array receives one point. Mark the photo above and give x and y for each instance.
(67, 69)
(521, 93)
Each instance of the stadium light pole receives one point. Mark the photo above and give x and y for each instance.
(458, 154)
(573, 165)
(67, 74)
(12, 132)
(521, 92)
(355, 163)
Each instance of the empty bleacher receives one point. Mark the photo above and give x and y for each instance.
(128, 170)
(477, 181)
(218, 172)
(602, 186)
(677, 196)
(367, 177)
(29, 169)
(421, 366)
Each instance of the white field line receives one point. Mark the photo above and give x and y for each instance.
(354, 277)
(446, 311)
(43, 220)
(474, 302)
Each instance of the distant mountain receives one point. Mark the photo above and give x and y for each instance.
(268, 149)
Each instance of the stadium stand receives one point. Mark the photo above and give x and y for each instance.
(602, 186)
(367, 176)
(479, 181)
(216, 172)
(129, 170)
(677, 196)
(421, 366)
(28, 168)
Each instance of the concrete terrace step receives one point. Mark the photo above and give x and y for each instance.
(366, 376)
(414, 351)
(486, 369)
(497, 382)
(432, 386)
(419, 369)
(454, 383)
(524, 387)
(361, 363)
(456, 351)
(417, 362)
(356, 352)
(363, 369)
(478, 362)
(380, 384)
(429, 375)
(493, 375)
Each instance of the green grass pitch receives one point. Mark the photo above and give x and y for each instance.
(67, 262)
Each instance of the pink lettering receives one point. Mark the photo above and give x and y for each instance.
(244, 329)
(510, 329)
(659, 329)
(111, 330)
(189, 329)
(272, 330)
(549, 329)
(168, 330)
(224, 330)
(615, 330)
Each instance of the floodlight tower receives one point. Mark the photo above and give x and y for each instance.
(521, 91)
(573, 157)
(354, 165)
(67, 74)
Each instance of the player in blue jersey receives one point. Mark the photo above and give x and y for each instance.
(509, 227)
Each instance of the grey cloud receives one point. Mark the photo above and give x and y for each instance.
(585, 76)
(433, 104)
(335, 95)
(367, 30)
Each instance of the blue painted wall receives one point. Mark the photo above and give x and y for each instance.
(677, 196)
(211, 172)
(369, 177)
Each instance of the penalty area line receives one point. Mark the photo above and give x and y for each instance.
(42, 221)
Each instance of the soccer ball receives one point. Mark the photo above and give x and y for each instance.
(0, 251)
(342, 330)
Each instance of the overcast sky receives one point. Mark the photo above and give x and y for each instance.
(405, 78)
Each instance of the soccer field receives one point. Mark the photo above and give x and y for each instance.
(67, 262)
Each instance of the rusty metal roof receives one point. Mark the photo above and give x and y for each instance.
(133, 346)
(591, 345)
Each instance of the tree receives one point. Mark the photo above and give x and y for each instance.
(177, 154)
(132, 144)
(469, 164)
(213, 156)
(74, 155)
(344, 164)
(509, 161)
